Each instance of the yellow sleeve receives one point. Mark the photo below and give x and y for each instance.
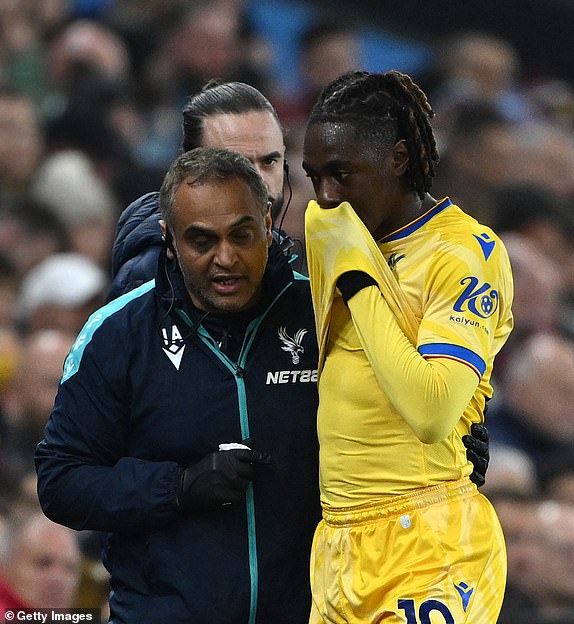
(431, 395)
(338, 241)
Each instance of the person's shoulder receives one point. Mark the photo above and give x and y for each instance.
(111, 325)
(139, 210)
(134, 272)
(137, 228)
(456, 221)
(132, 307)
(460, 228)
(137, 245)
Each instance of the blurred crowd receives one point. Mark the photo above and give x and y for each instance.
(90, 117)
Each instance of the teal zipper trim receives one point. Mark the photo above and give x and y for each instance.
(237, 371)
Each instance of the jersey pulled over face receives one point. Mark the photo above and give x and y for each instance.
(258, 136)
(221, 237)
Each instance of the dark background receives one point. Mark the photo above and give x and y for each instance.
(542, 31)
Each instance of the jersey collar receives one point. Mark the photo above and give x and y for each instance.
(411, 227)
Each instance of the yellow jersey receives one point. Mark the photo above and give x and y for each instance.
(404, 369)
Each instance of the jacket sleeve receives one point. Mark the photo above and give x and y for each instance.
(86, 478)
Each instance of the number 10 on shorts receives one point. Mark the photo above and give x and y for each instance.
(426, 608)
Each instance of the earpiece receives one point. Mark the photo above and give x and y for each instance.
(288, 182)
(168, 241)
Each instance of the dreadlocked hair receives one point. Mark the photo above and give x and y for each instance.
(386, 107)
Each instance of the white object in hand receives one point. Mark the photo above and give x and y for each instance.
(233, 445)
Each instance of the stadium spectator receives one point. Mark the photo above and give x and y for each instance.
(39, 563)
(60, 293)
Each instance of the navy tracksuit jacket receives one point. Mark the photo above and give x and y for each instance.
(146, 391)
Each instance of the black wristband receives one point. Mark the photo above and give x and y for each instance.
(351, 282)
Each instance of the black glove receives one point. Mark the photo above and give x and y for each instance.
(477, 452)
(351, 282)
(218, 479)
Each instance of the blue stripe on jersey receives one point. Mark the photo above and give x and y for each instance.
(450, 350)
(72, 363)
(417, 223)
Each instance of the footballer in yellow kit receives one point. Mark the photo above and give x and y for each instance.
(406, 537)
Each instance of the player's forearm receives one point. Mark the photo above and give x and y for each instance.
(430, 395)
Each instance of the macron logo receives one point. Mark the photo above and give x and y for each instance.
(465, 592)
(487, 244)
(173, 345)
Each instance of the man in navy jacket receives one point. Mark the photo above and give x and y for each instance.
(218, 349)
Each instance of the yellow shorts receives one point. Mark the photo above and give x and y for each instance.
(436, 556)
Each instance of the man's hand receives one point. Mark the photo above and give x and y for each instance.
(477, 452)
(219, 479)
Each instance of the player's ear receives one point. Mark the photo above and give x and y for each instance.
(400, 157)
